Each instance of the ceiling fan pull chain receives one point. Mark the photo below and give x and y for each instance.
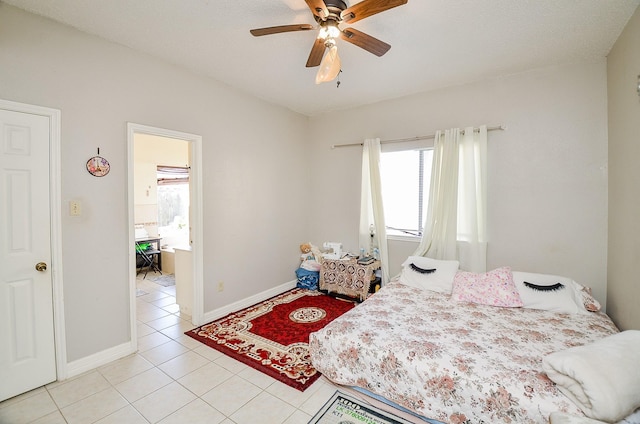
(338, 82)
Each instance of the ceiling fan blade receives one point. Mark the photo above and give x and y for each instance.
(278, 29)
(318, 8)
(365, 41)
(367, 8)
(317, 51)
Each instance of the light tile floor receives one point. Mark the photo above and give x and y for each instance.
(173, 379)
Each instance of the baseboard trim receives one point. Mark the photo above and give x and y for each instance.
(245, 303)
(98, 359)
(108, 355)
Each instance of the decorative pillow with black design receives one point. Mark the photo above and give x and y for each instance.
(429, 274)
(554, 293)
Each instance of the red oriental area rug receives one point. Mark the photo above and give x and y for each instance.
(273, 336)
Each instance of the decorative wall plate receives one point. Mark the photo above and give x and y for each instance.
(98, 166)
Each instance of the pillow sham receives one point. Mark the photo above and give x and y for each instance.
(554, 293)
(493, 288)
(588, 301)
(429, 274)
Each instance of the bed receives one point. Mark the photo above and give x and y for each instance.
(456, 361)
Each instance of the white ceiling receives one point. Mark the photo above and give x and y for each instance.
(435, 43)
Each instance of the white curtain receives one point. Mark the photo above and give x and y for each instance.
(455, 226)
(472, 200)
(440, 227)
(371, 207)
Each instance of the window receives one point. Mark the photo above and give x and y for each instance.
(173, 202)
(405, 177)
(173, 205)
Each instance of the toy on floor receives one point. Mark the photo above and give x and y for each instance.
(308, 274)
(310, 257)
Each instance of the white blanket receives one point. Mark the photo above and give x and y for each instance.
(562, 418)
(602, 378)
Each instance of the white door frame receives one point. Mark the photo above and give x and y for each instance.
(195, 201)
(55, 211)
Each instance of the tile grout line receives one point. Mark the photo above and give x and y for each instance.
(130, 371)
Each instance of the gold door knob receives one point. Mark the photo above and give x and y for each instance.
(41, 266)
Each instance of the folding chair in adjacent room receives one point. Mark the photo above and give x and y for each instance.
(148, 257)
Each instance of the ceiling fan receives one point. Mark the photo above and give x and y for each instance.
(329, 14)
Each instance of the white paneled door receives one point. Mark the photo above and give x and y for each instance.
(27, 348)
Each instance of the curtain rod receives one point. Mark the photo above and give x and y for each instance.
(422, 137)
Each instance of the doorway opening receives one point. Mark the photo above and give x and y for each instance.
(165, 222)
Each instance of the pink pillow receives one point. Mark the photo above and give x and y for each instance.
(494, 288)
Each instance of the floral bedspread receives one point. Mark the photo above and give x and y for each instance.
(453, 362)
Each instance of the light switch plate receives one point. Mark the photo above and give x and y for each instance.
(75, 208)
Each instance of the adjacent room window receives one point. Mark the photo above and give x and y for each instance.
(406, 177)
(173, 201)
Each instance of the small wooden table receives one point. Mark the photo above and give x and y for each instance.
(347, 277)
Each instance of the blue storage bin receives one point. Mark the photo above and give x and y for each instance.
(307, 279)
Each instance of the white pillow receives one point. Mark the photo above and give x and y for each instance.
(565, 299)
(438, 277)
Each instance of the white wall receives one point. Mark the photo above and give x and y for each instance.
(158, 150)
(255, 176)
(149, 151)
(623, 67)
(547, 208)
(266, 189)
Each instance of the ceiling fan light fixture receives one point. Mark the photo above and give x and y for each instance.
(329, 15)
(329, 67)
(330, 30)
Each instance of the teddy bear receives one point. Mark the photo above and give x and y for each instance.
(310, 257)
